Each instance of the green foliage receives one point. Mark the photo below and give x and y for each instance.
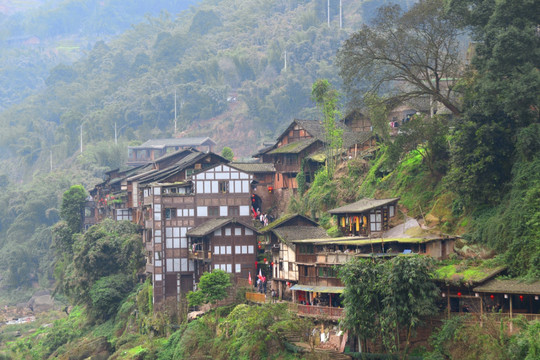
(107, 293)
(513, 228)
(107, 249)
(72, 208)
(326, 99)
(227, 153)
(212, 288)
(387, 297)
(361, 297)
(378, 115)
(429, 136)
(247, 332)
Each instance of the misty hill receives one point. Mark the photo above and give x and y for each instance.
(225, 60)
(36, 35)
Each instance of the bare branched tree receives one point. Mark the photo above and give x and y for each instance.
(406, 55)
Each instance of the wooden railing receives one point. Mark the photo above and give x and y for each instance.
(256, 297)
(320, 311)
(477, 317)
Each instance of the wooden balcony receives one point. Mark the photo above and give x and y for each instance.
(200, 255)
(332, 313)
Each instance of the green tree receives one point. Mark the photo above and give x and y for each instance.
(106, 249)
(72, 207)
(417, 49)
(227, 153)
(361, 298)
(503, 96)
(211, 289)
(387, 297)
(408, 295)
(326, 99)
(378, 115)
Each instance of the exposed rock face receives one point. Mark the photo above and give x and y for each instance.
(41, 301)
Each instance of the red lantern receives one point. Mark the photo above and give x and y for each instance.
(288, 284)
(260, 247)
(256, 263)
(264, 259)
(458, 294)
(270, 189)
(492, 296)
(521, 297)
(272, 263)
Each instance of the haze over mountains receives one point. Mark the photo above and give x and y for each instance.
(241, 71)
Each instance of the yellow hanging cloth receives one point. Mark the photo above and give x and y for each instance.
(350, 224)
(342, 222)
(365, 222)
(357, 223)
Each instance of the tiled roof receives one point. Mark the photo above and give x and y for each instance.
(510, 286)
(217, 223)
(254, 167)
(188, 141)
(362, 205)
(294, 147)
(282, 221)
(293, 233)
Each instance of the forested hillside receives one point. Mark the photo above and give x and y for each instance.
(225, 60)
(37, 35)
(249, 64)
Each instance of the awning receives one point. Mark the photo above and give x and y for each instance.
(319, 289)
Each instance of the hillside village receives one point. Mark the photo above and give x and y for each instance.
(199, 211)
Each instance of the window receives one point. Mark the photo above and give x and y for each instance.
(375, 221)
(123, 214)
(223, 187)
(250, 249)
(216, 250)
(234, 211)
(229, 268)
(238, 268)
(238, 231)
(249, 231)
(227, 231)
(291, 159)
(170, 213)
(244, 210)
(237, 249)
(229, 250)
(202, 211)
(157, 212)
(327, 272)
(175, 237)
(244, 249)
(213, 211)
(157, 236)
(157, 191)
(305, 249)
(217, 232)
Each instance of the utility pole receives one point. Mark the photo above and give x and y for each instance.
(81, 138)
(328, 12)
(340, 15)
(285, 66)
(175, 111)
(115, 135)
